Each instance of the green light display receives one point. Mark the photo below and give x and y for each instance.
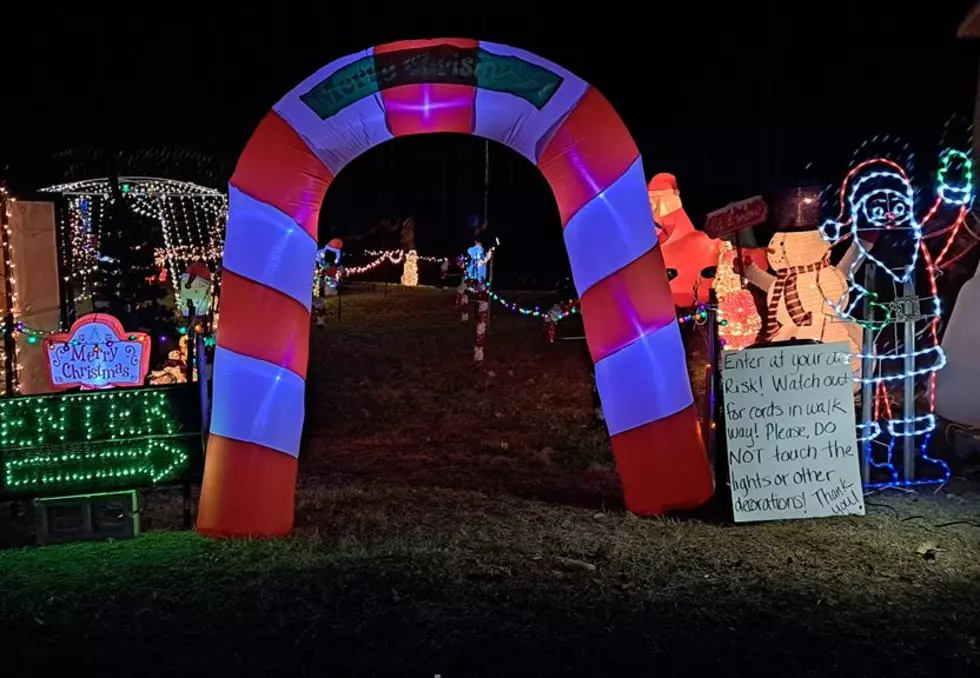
(94, 441)
(148, 462)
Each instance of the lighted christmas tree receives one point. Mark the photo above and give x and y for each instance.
(739, 320)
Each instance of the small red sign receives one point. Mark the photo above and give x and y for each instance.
(736, 216)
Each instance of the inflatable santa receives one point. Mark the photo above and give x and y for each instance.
(689, 255)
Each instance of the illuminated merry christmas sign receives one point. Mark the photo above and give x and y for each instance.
(97, 353)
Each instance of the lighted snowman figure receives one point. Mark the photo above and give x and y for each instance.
(877, 211)
(797, 293)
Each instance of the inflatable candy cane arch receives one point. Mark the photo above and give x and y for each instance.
(540, 110)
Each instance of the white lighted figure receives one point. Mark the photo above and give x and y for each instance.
(195, 288)
(334, 247)
(797, 293)
(877, 211)
(327, 273)
(410, 271)
(476, 265)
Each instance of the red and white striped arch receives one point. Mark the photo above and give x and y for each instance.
(594, 168)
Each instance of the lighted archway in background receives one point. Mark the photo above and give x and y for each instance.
(535, 107)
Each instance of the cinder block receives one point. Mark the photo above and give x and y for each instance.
(87, 517)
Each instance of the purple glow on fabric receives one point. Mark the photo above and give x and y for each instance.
(267, 246)
(427, 104)
(645, 381)
(257, 402)
(611, 230)
(310, 207)
(582, 168)
(515, 122)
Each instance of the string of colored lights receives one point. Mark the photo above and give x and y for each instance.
(569, 307)
(426, 259)
(34, 335)
(11, 299)
(394, 256)
(565, 309)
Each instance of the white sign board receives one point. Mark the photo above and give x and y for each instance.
(792, 442)
(198, 292)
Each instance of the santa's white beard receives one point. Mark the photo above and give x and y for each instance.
(896, 250)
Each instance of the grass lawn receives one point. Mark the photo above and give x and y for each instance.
(467, 522)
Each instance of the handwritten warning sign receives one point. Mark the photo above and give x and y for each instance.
(789, 422)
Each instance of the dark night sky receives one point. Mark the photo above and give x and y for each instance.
(733, 101)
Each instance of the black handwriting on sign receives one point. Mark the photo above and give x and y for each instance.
(737, 386)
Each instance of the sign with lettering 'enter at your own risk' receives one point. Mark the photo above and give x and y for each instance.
(792, 443)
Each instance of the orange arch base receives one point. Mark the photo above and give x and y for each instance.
(249, 490)
(545, 113)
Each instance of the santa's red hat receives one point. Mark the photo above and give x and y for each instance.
(198, 270)
(663, 182)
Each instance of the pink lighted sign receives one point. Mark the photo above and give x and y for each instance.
(97, 353)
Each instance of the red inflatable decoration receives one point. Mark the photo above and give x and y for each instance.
(687, 252)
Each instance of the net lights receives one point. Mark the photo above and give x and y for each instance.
(192, 219)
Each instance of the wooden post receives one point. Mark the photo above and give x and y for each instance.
(867, 372)
(710, 430)
(191, 342)
(481, 322)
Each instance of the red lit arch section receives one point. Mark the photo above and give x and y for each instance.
(535, 107)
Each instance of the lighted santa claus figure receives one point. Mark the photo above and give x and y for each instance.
(690, 256)
(195, 289)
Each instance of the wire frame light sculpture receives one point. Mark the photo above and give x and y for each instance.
(192, 219)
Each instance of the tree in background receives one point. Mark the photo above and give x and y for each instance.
(127, 286)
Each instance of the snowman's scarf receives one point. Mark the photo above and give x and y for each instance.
(787, 283)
